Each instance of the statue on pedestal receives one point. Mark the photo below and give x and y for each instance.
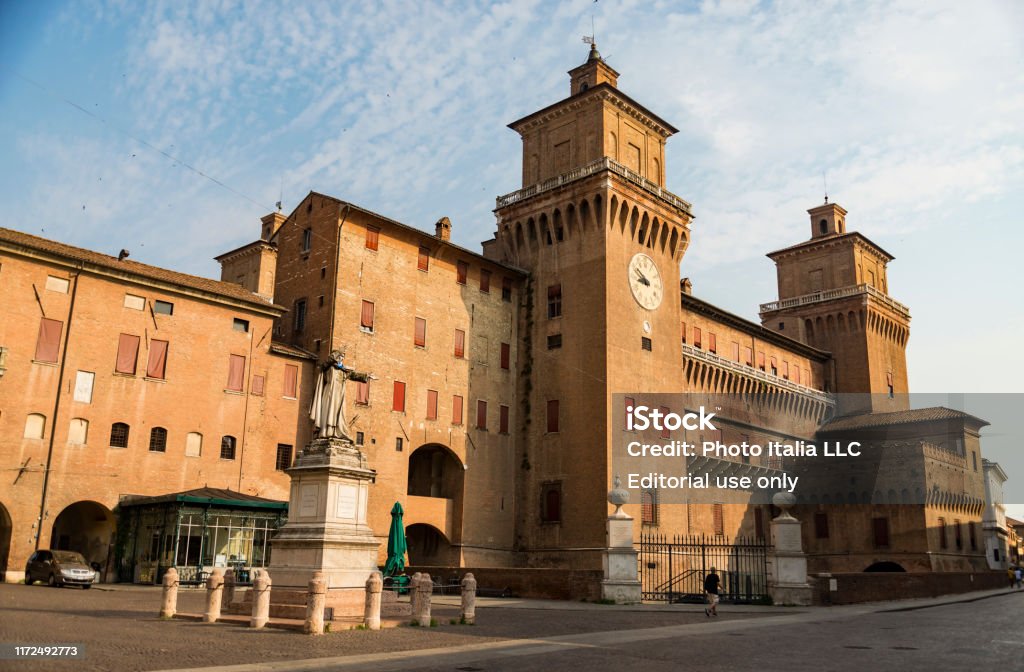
(328, 408)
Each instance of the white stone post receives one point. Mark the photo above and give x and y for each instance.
(424, 588)
(214, 594)
(414, 588)
(621, 582)
(789, 576)
(229, 587)
(315, 599)
(469, 599)
(169, 601)
(371, 613)
(260, 599)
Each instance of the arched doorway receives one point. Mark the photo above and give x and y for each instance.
(428, 546)
(885, 567)
(435, 471)
(86, 527)
(5, 541)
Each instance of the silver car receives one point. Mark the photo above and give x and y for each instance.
(59, 568)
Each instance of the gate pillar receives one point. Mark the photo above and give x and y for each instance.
(788, 581)
(621, 582)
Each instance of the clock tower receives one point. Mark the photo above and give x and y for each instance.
(602, 239)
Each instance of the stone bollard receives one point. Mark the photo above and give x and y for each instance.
(260, 599)
(469, 599)
(229, 587)
(371, 614)
(214, 593)
(169, 603)
(315, 599)
(424, 588)
(414, 583)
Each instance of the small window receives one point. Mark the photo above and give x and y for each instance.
(461, 272)
(360, 438)
(157, 366)
(163, 307)
(506, 356)
(420, 335)
(552, 416)
(758, 519)
(236, 372)
(943, 541)
(481, 414)
(760, 360)
(83, 387)
(363, 392)
(227, 448)
(696, 338)
(399, 444)
(48, 343)
(823, 226)
(119, 435)
(366, 317)
(713, 343)
(55, 284)
(127, 354)
(646, 344)
(320, 301)
(323, 272)
(503, 419)
(460, 343)
(648, 508)
(880, 530)
(193, 444)
(506, 289)
(456, 410)
(958, 535)
(551, 502)
(554, 341)
(684, 332)
(258, 383)
(158, 440)
(748, 356)
(785, 369)
(821, 525)
(718, 519)
(307, 240)
(35, 426)
(284, 457)
(398, 398)
(554, 301)
(372, 238)
(423, 260)
(240, 325)
(134, 302)
(782, 326)
(291, 381)
(735, 351)
(431, 404)
(299, 316)
(485, 281)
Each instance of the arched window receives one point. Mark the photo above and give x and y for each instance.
(78, 432)
(227, 448)
(551, 503)
(158, 440)
(35, 426)
(119, 435)
(648, 508)
(823, 226)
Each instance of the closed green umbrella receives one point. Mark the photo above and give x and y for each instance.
(397, 545)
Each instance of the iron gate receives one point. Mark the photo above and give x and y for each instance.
(673, 568)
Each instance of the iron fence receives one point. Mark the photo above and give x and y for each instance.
(672, 568)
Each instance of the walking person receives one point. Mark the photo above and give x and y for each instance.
(1018, 574)
(711, 583)
(1012, 574)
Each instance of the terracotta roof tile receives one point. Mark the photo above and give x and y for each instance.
(867, 420)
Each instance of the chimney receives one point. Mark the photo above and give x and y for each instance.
(686, 286)
(443, 229)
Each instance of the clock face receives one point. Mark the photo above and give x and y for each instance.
(645, 281)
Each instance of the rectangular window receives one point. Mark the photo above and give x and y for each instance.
(360, 438)
(696, 337)
(460, 343)
(748, 356)
(735, 351)
(943, 541)
(971, 536)
(958, 535)
(775, 366)
(796, 375)
(646, 344)
(552, 415)
(712, 343)
(284, 457)
(236, 372)
(59, 285)
(363, 392)
(785, 369)
(366, 316)
(127, 354)
(307, 240)
(506, 289)
(239, 324)
(648, 508)
(431, 404)
(399, 444)
(683, 330)
(551, 503)
(506, 355)
(821, 525)
(554, 341)
(420, 335)
(503, 419)
(423, 260)
(485, 281)
(555, 301)
(163, 307)
(299, 316)
(48, 344)
(256, 389)
(456, 410)
(157, 366)
(291, 381)
(372, 238)
(134, 302)
(758, 522)
(718, 519)
(461, 272)
(398, 398)
(481, 414)
(880, 530)
(83, 387)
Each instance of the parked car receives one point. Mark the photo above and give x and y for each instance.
(59, 568)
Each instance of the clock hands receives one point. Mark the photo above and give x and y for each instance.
(643, 278)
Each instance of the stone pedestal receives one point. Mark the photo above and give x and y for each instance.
(789, 563)
(326, 530)
(621, 582)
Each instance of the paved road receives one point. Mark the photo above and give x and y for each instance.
(121, 634)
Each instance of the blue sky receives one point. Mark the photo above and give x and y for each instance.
(912, 109)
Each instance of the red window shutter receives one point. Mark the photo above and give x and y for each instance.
(552, 415)
(363, 392)
(291, 380)
(647, 507)
(718, 516)
(506, 353)
(696, 337)
(372, 237)
(785, 369)
(456, 410)
(748, 356)
(760, 360)
(735, 352)
(423, 262)
(420, 338)
(431, 404)
(485, 281)
(460, 343)
(630, 403)
(258, 383)
(712, 343)
(236, 372)
(796, 374)
(157, 367)
(481, 414)
(665, 432)
(684, 332)
(366, 317)
(398, 400)
(127, 354)
(48, 345)
(461, 272)
(503, 420)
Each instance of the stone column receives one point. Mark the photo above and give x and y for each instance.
(414, 584)
(469, 599)
(315, 599)
(169, 601)
(621, 582)
(214, 594)
(371, 615)
(229, 588)
(260, 599)
(789, 576)
(424, 588)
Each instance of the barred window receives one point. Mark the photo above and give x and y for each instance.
(119, 435)
(227, 448)
(158, 440)
(648, 508)
(284, 457)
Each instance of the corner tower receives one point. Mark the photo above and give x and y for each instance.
(602, 239)
(834, 295)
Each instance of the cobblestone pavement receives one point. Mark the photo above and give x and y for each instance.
(120, 631)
